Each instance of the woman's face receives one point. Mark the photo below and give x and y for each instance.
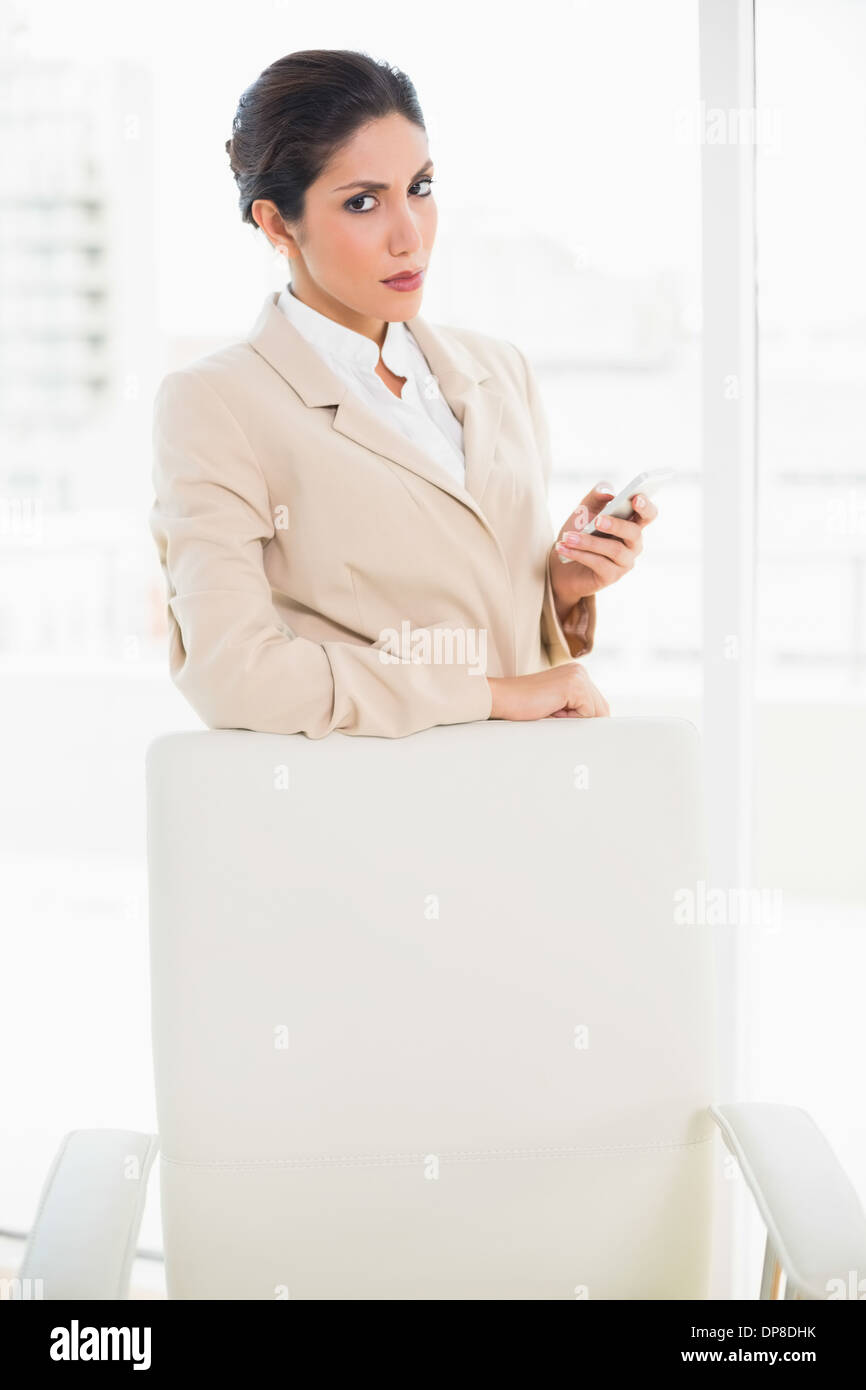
(355, 235)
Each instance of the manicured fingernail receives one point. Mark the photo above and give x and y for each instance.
(602, 522)
(639, 500)
(572, 538)
(605, 487)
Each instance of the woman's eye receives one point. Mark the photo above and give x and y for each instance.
(359, 198)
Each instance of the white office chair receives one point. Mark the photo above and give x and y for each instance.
(426, 1025)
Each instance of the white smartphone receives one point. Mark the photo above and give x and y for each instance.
(647, 483)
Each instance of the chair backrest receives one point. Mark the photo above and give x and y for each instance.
(426, 1020)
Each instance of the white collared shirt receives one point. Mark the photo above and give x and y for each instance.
(421, 413)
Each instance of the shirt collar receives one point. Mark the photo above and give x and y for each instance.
(343, 343)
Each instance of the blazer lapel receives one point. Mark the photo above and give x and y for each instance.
(466, 385)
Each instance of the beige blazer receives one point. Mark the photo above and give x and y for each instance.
(322, 573)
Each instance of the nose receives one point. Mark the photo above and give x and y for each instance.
(405, 232)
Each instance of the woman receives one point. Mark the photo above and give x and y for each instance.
(351, 504)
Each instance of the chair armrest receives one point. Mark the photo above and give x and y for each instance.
(84, 1235)
(816, 1227)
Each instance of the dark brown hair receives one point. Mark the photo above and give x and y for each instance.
(294, 117)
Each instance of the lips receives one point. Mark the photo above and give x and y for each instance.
(407, 282)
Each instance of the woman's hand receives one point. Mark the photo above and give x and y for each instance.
(597, 560)
(563, 692)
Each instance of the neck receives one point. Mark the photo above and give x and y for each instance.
(316, 298)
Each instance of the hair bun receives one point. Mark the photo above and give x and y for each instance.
(298, 112)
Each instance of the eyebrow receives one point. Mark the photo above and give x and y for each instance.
(369, 183)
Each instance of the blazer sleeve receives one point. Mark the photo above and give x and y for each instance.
(230, 655)
(574, 635)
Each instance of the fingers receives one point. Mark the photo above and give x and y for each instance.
(599, 703)
(600, 710)
(583, 699)
(600, 707)
(607, 570)
(595, 499)
(646, 510)
(598, 497)
(627, 531)
(591, 550)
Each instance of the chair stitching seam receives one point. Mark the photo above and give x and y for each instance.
(459, 1155)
